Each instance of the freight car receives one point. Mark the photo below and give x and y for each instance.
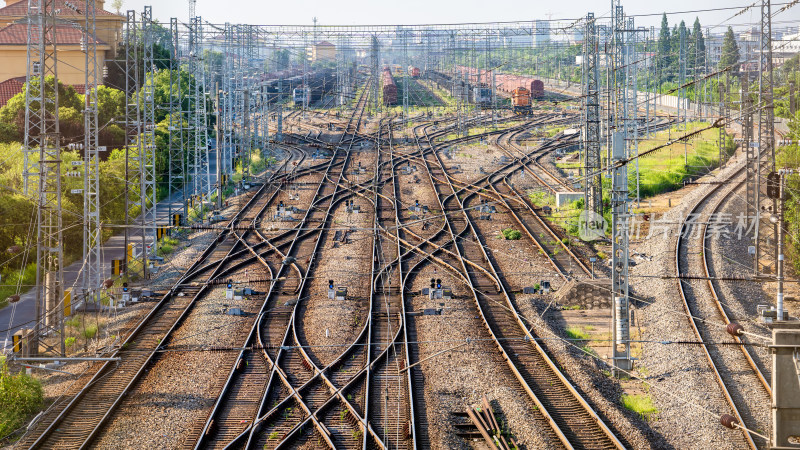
(389, 87)
(537, 89)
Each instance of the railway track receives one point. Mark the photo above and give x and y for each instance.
(77, 420)
(570, 418)
(246, 411)
(701, 302)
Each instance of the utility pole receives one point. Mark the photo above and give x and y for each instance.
(133, 123)
(93, 263)
(177, 161)
(779, 259)
(376, 72)
(620, 331)
(147, 160)
(219, 151)
(593, 183)
(42, 134)
(766, 134)
(405, 77)
(682, 107)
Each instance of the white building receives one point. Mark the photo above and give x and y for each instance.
(541, 33)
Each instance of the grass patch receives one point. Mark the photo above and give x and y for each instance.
(666, 169)
(21, 396)
(577, 333)
(542, 198)
(167, 245)
(641, 404)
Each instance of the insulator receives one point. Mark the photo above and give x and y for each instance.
(108, 283)
(13, 299)
(734, 329)
(728, 421)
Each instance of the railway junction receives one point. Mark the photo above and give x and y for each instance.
(561, 233)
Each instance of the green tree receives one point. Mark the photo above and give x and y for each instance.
(697, 50)
(730, 51)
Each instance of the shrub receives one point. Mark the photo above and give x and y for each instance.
(20, 397)
(511, 234)
(70, 341)
(90, 331)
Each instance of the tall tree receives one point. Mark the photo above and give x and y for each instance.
(663, 50)
(697, 49)
(730, 51)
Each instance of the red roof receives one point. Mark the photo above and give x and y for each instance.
(13, 86)
(17, 34)
(10, 88)
(21, 9)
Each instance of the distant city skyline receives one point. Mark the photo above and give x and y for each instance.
(714, 14)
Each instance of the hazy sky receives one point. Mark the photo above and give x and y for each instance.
(360, 12)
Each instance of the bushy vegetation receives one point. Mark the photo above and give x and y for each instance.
(789, 157)
(17, 210)
(511, 234)
(21, 396)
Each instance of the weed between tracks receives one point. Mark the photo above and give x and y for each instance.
(641, 404)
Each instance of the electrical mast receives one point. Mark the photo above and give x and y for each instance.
(593, 184)
(92, 269)
(42, 135)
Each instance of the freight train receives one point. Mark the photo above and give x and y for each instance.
(289, 84)
(413, 71)
(389, 87)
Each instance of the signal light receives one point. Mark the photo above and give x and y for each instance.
(774, 185)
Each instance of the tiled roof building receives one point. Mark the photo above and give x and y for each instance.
(14, 35)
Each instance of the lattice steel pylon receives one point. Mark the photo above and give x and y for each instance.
(751, 150)
(406, 74)
(133, 123)
(620, 202)
(42, 135)
(198, 133)
(177, 153)
(228, 98)
(147, 157)
(593, 184)
(92, 261)
(375, 55)
(765, 231)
